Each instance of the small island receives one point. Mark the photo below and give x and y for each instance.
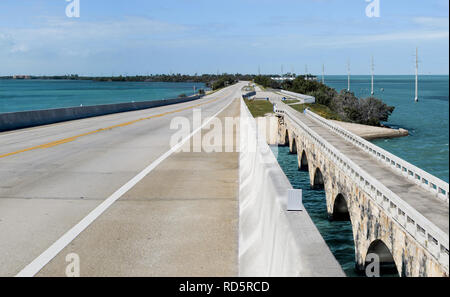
(341, 106)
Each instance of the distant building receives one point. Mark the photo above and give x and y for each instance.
(21, 77)
(283, 78)
(310, 77)
(291, 77)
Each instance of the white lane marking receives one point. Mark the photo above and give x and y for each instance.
(43, 259)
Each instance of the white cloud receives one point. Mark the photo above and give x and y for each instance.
(342, 41)
(19, 48)
(65, 36)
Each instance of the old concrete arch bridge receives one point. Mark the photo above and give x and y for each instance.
(397, 210)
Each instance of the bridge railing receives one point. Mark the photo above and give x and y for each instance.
(427, 181)
(304, 98)
(427, 234)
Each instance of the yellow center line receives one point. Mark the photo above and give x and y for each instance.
(73, 138)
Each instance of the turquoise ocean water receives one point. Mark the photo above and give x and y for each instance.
(22, 95)
(426, 147)
(427, 120)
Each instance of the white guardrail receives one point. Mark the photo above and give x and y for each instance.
(413, 173)
(304, 98)
(432, 238)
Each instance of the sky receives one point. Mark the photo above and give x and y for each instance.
(112, 37)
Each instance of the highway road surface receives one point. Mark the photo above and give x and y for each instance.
(111, 190)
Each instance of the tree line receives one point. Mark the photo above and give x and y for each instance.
(214, 81)
(368, 111)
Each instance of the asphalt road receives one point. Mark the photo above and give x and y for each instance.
(51, 177)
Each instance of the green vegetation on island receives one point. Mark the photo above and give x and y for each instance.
(259, 108)
(213, 81)
(223, 81)
(344, 105)
(290, 101)
(322, 110)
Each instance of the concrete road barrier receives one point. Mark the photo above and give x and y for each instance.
(25, 119)
(273, 241)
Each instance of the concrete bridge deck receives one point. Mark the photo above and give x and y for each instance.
(52, 177)
(432, 208)
(111, 190)
(180, 220)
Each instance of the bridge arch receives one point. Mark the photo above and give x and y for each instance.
(387, 262)
(286, 138)
(340, 209)
(303, 166)
(293, 146)
(318, 182)
(368, 221)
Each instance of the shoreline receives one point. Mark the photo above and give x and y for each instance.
(365, 131)
(372, 132)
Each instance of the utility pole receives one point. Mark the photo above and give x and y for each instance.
(323, 73)
(372, 70)
(417, 76)
(282, 71)
(348, 73)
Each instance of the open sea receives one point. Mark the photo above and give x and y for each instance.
(427, 146)
(24, 95)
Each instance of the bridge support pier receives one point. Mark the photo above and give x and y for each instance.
(283, 136)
